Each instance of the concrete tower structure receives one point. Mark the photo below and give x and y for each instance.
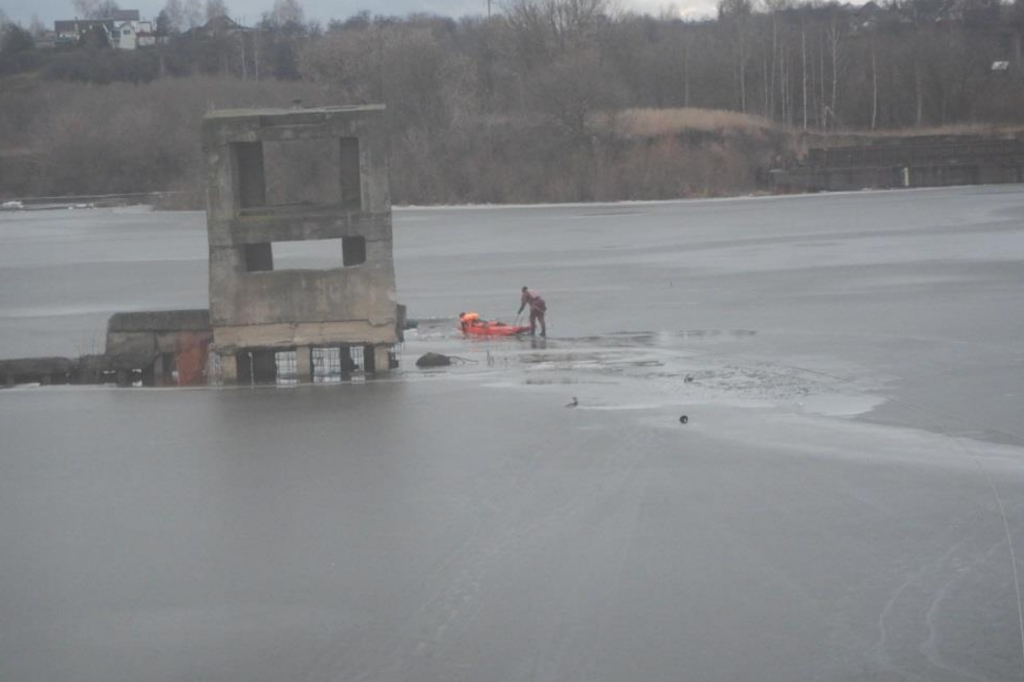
(257, 311)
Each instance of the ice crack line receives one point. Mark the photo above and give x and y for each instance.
(991, 485)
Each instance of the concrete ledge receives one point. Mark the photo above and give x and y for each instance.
(232, 339)
(160, 321)
(359, 292)
(87, 369)
(266, 125)
(282, 116)
(36, 366)
(278, 225)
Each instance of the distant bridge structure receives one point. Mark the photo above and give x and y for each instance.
(906, 162)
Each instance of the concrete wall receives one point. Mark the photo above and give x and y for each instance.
(37, 370)
(157, 341)
(814, 179)
(925, 163)
(280, 309)
(139, 337)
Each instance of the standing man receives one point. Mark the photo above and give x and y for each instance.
(537, 309)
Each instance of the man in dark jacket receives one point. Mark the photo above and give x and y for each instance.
(537, 309)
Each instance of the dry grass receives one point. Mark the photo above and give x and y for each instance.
(658, 122)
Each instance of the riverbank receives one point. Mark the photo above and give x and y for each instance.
(75, 140)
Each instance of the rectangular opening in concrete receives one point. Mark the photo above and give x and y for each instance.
(259, 257)
(351, 190)
(317, 254)
(326, 365)
(249, 167)
(353, 250)
(352, 363)
(256, 366)
(332, 364)
(287, 367)
(302, 173)
(311, 254)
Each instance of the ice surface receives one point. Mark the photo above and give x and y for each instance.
(850, 364)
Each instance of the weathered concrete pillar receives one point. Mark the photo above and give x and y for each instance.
(229, 368)
(159, 370)
(253, 306)
(369, 361)
(123, 377)
(348, 365)
(381, 363)
(304, 364)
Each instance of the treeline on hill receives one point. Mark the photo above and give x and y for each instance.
(547, 100)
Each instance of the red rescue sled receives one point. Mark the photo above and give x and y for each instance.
(493, 328)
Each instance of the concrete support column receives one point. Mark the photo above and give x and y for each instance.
(369, 361)
(228, 368)
(381, 364)
(348, 365)
(304, 364)
(159, 370)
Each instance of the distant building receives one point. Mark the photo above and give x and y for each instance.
(45, 40)
(125, 15)
(124, 30)
(133, 34)
(866, 16)
(72, 30)
(219, 26)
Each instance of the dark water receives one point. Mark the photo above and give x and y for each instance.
(850, 366)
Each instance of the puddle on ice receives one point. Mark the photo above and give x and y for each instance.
(675, 338)
(840, 405)
(638, 370)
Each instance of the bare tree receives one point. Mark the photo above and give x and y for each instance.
(835, 34)
(735, 13)
(175, 13)
(36, 27)
(285, 13)
(803, 68)
(574, 91)
(874, 86)
(95, 9)
(216, 8)
(192, 13)
(559, 25)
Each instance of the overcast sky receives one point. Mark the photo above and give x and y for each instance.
(250, 10)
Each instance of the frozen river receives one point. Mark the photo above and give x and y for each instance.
(844, 503)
